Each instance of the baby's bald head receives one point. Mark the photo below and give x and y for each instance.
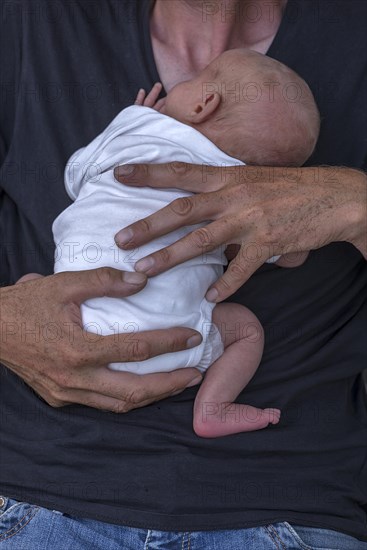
(267, 114)
(252, 107)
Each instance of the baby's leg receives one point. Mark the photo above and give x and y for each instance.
(215, 414)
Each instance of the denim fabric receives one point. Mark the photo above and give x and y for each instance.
(26, 526)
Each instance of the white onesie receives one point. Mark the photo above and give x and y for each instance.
(84, 235)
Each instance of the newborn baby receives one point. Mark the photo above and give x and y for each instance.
(191, 126)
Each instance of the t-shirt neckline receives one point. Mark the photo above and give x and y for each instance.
(146, 11)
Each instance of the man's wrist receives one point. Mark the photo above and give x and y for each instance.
(5, 324)
(356, 214)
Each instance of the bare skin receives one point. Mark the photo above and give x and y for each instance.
(29, 303)
(188, 34)
(215, 412)
(265, 211)
(43, 342)
(179, 55)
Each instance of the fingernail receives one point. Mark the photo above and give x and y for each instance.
(212, 295)
(194, 382)
(124, 236)
(124, 170)
(144, 265)
(133, 278)
(193, 341)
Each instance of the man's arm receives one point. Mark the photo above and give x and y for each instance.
(266, 211)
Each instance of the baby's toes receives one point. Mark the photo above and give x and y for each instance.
(273, 415)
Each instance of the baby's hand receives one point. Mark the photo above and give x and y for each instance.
(150, 100)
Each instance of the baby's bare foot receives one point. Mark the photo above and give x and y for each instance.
(219, 419)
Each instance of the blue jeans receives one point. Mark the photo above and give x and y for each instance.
(26, 526)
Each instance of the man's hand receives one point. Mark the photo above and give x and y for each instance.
(151, 100)
(43, 342)
(266, 211)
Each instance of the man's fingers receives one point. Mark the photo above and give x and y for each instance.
(179, 213)
(95, 400)
(180, 175)
(196, 244)
(139, 346)
(119, 392)
(160, 385)
(141, 389)
(79, 286)
(238, 272)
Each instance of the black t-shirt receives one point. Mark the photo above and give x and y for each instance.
(67, 68)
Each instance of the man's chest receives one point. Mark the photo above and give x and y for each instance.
(173, 70)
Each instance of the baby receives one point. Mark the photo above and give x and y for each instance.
(228, 125)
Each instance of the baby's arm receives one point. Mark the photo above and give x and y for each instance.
(215, 414)
(151, 100)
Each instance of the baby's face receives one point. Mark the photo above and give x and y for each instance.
(187, 96)
(182, 99)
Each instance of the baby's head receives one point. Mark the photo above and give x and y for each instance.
(252, 107)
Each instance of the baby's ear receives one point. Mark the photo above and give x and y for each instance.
(205, 109)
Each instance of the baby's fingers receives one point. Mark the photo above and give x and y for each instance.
(152, 97)
(140, 97)
(160, 104)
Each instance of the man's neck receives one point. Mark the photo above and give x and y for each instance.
(197, 31)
